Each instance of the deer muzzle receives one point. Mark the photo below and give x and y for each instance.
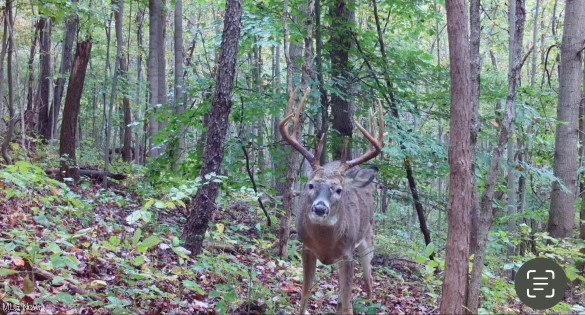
(320, 209)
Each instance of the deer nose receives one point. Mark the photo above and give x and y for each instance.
(320, 209)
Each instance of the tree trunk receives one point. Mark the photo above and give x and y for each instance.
(154, 75)
(29, 118)
(71, 110)
(460, 178)
(407, 162)
(8, 26)
(487, 199)
(287, 162)
(179, 81)
(66, 58)
(43, 123)
(203, 205)
(342, 20)
(474, 42)
(123, 77)
(562, 206)
(517, 16)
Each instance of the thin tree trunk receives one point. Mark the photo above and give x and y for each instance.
(43, 123)
(474, 42)
(123, 77)
(179, 81)
(486, 205)
(342, 20)
(460, 161)
(71, 110)
(66, 59)
(8, 24)
(155, 11)
(203, 205)
(407, 162)
(288, 162)
(29, 114)
(517, 16)
(562, 208)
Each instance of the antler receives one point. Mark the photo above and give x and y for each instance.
(377, 143)
(295, 116)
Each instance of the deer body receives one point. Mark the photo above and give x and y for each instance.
(336, 213)
(335, 217)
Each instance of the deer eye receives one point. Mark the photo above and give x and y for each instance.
(338, 191)
(311, 186)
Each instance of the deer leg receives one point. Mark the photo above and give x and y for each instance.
(345, 285)
(366, 252)
(309, 264)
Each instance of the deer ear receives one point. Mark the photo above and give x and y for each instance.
(362, 177)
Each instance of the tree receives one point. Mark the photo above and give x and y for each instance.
(69, 128)
(156, 68)
(44, 123)
(461, 186)
(203, 205)
(342, 19)
(486, 214)
(562, 204)
(8, 28)
(66, 58)
(123, 77)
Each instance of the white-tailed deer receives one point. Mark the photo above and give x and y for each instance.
(336, 213)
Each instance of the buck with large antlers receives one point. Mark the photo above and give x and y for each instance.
(336, 212)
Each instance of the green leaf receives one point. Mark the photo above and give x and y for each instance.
(148, 243)
(138, 261)
(7, 272)
(193, 286)
(57, 280)
(430, 249)
(182, 252)
(213, 294)
(134, 216)
(71, 262)
(147, 205)
(65, 298)
(136, 237)
(159, 204)
(114, 240)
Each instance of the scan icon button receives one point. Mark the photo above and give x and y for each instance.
(540, 283)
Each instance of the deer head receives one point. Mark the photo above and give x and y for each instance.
(336, 210)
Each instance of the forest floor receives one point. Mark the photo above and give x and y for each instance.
(88, 250)
(72, 251)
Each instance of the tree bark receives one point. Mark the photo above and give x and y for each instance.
(66, 59)
(203, 205)
(29, 114)
(287, 162)
(8, 26)
(123, 77)
(474, 42)
(562, 206)
(486, 205)
(460, 178)
(179, 81)
(71, 110)
(154, 70)
(43, 123)
(342, 19)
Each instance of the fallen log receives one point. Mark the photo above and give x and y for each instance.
(95, 174)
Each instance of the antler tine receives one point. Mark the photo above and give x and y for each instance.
(376, 143)
(283, 128)
(318, 151)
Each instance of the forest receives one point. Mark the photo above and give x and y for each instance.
(292, 156)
